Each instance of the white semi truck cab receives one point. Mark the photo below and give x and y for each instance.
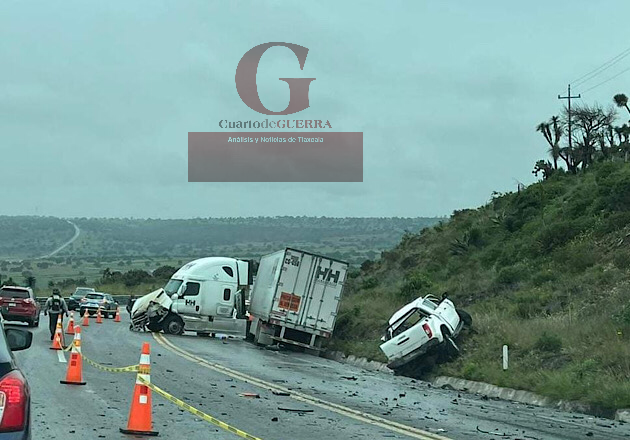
(206, 296)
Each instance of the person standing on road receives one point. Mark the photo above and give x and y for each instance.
(132, 300)
(55, 305)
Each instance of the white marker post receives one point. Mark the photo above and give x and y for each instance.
(505, 357)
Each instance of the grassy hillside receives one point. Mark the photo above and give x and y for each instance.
(545, 271)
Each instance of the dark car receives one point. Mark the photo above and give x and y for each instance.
(15, 394)
(97, 300)
(19, 304)
(74, 301)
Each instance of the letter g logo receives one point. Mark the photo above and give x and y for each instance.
(246, 80)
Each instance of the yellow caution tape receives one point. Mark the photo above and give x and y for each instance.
(196, 412)
(130, 368)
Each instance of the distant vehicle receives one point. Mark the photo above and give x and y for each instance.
(19, 304)
(206, 296)
(424, 326)
(75, 300)
(98, 300)
(295, 298)
(15, 400)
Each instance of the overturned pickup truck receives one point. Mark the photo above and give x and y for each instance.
(421, 333)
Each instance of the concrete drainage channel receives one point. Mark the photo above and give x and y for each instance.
(486, 389)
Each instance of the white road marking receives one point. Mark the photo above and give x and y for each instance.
(61, 357)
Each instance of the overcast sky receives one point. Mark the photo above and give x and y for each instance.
(97, 99)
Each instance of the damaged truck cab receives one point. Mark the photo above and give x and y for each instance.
(206, 296)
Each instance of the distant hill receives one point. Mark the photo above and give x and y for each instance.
(29, 236)
(352, 239)
(545, 271)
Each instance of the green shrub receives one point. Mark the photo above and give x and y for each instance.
(623, 315)
(353, 273)
(548, 343)
(369, 283)
(512, 274)
(614, 189)
(557, 234)
(621, 259)
(409, 262)
(416, 284)
(543, 276)
(577, 257)
(367, 265)
(530, 303)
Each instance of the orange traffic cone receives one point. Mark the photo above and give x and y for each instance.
(117, 318)
(70, 328)
(140, 412)
(58, 339)
(86, 319)
(99, 317)
(74, 375)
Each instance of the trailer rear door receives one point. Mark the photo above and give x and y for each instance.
(309, 290)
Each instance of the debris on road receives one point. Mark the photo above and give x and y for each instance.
(252, 395)
(297, 410)
(349, 377)
(281, 393)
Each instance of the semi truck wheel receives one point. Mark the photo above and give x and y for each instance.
(173, 325)
(154, 326)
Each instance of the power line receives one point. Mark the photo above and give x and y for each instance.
(603, 67)
(605, 81)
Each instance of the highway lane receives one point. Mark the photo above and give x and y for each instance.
(198, 376)
(409, 402)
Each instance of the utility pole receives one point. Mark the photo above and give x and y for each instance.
(569, 98)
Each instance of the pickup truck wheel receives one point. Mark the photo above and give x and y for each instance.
(465, 317)
(173, 325)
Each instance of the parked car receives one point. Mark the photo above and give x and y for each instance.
(75, 300)
(19, 304)
(98, 300)
(425, 326)
(15, 403)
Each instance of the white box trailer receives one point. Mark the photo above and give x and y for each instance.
(295, 298)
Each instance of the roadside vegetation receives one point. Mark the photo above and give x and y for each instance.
(545, 270)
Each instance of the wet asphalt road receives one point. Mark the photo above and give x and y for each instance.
(100, 408)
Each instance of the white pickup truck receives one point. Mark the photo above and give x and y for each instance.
(419, 328)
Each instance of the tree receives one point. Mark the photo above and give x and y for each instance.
(164, 272)
(591, 123)
(30, 281)
(623, 135)
(543, 167)
(621, 100)
(552, 132)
